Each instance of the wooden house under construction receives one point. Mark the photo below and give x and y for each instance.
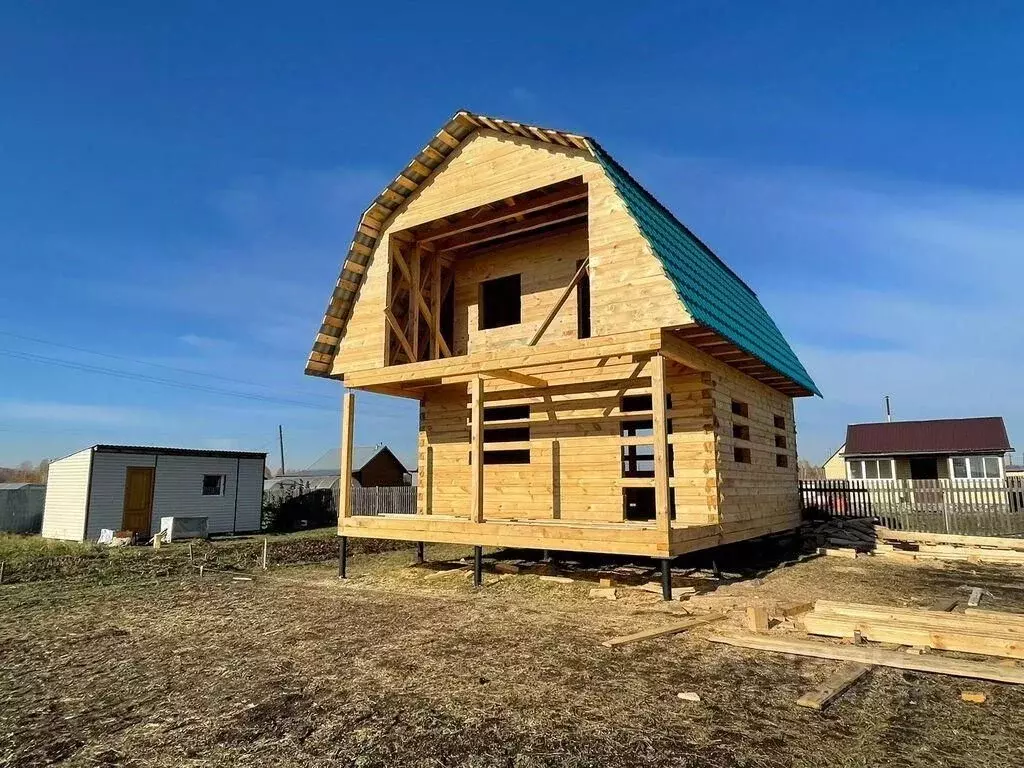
(591, 377)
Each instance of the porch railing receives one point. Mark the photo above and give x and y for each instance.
(967, 507)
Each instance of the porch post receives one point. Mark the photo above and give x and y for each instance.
(476, 450)
(348, 407)
(662, 503)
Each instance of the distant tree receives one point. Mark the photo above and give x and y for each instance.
(809, 471)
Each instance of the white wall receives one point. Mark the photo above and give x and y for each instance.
(67, 489)
(178, 491)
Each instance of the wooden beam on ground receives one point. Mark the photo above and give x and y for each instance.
(668, 629)
(348, 407)
(662, 500)
(834, 687)
(476, 450)
(561, 301)
(865, 655)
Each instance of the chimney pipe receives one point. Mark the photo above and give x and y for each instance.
(888, 409)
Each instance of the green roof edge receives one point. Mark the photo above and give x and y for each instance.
(715, 295)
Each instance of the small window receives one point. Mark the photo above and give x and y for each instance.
(506, 412)
(781, 460)
(631, 403)
(871, 469)
(741, 455)
(583, 304)
(780, 441)
(501, 302)
(506, 434)
(213, 485)
(780, 422)
(741, 431)
(740, 409)
(507, 457)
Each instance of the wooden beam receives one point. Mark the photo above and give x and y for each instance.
(348, 407)
(399, 334)
(667, 629)
(866, 655)
(518, 378)
(436, 338)
(561, 301)
(476, 450)
(558, 216)
(662, 502)
(520, 209)
(834, 687)
(416, 298)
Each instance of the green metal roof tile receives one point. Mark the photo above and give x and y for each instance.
(712, 292)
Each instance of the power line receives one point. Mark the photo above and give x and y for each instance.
(126, 358)
(30, 356)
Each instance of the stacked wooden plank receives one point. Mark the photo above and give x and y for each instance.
(855, 533)
(943, 546)
(981, 632)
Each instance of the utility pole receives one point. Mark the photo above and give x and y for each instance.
(280, 440)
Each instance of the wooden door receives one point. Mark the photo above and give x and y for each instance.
(138, 500)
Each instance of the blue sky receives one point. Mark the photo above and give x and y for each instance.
(182, 180)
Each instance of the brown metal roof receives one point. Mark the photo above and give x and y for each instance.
(985, 435)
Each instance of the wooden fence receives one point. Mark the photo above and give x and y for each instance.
(384, 500)
(969, 507)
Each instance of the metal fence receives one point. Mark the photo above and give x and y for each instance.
(969, 507)
(21, 507)
(382, 500)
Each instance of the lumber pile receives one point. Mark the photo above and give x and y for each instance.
(855, 533)
(987, 633)
(944, 546)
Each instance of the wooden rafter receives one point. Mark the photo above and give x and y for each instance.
(558, 215)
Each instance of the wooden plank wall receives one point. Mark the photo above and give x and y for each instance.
(629, 289)
(546, 265)
(575, 469)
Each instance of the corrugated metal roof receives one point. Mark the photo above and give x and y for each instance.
(19, 486)
(983, 435)
(101, 448)
(710, 290)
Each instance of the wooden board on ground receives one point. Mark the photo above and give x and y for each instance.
(878, 657)
(834, 687)
(668, 629)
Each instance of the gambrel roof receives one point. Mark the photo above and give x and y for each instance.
(713, 294)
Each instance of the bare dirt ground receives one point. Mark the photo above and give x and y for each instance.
(392, 667)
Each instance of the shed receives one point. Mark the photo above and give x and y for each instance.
(130, 487)
(21, 507)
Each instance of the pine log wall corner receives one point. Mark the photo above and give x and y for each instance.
(591, 377)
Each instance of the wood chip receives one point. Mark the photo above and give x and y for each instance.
(973, 697)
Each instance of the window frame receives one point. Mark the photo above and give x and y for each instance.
(863, 469)
(970, 473)
(222, 482)
(483, 303)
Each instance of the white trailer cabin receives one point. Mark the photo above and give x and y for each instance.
(129, 487)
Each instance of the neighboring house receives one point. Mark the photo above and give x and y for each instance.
(1014, 470)
(21, 507)
(835, 466)
(591, 377)
(939, 449)
(126, 487)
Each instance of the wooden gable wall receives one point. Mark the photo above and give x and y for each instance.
(629, 289)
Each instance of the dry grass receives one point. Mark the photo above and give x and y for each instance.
(393, 668)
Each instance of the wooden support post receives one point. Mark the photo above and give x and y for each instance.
(435, 307)
(666, 578)
(662, 504)
(478, 566)
(757, 618)
(342, 557)
(476, 450)
(414, 301)
(348, 407)
(419, 552)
